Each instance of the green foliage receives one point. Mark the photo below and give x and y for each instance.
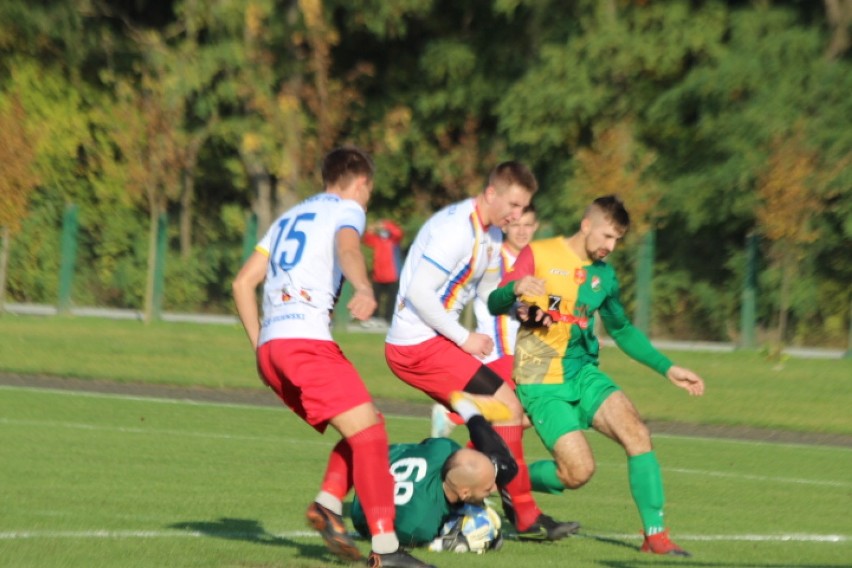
(57, 119)
(34, 256)
(439, 92)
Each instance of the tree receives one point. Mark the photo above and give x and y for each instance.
(839, 16)
(616, 163)
(788, 205)
(17, 176)
(144, 129)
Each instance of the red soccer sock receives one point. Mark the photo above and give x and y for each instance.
(338, 473)
(372, 478)
(520, 488)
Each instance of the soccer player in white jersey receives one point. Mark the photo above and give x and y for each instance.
(301, 262)
(455, 256)
(502, 329)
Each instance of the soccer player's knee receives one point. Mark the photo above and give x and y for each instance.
(637, 440)
(576, 476)
(517, 411)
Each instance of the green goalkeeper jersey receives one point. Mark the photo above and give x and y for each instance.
(421, 506)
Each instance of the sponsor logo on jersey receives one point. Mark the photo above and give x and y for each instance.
(558, 272)
(282, 317)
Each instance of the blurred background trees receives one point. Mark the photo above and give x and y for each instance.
(712, 119)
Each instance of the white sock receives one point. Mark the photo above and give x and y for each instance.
(330, 502)
(466, 409)
(385, 543)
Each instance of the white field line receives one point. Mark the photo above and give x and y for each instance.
(743, 476)
(760, 478)
(91, 394)
(751, 442)
(143, 534)
(159, 432)
(191, 402)
(113, 534)
(794, 537)
(319, 441)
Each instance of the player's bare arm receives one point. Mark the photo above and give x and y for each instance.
(363, 302)
(244, 288)
(686, 379)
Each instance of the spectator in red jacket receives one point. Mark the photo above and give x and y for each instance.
(384, 238)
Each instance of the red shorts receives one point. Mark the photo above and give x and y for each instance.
(313, 377)
(437, 366)
(504, 367)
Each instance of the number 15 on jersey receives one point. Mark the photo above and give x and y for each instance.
(292, 245)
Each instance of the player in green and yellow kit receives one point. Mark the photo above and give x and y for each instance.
(556, 362)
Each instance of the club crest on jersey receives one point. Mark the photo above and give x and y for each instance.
(579, 275)
(286, 296)
(596, 283)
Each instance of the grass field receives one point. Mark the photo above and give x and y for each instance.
(745, 388)
(105, 480)
(108, 480)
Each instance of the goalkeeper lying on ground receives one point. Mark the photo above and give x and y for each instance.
(433, 482)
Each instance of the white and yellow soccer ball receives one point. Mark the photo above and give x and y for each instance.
(474, 528)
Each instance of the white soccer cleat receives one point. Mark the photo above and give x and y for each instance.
(442, 426)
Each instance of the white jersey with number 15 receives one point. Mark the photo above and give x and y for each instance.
(303, 276)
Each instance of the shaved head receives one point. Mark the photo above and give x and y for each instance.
(469, 476)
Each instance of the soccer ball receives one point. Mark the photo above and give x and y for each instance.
(472, 528)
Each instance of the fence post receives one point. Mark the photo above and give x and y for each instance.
(250, 236)
(5, 235)
(749, 295)
(644, 279)
(848, 354)
(160, 265)
(68, 257)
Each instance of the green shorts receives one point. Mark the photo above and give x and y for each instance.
(556, 410)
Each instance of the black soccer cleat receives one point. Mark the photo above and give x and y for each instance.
(332, 529)
(398, 559)
(546, 529)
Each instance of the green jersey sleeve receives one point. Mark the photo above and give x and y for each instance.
(629, 339)
(501, 300)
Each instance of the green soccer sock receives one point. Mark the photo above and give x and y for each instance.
(646, 485)
(544, 479)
